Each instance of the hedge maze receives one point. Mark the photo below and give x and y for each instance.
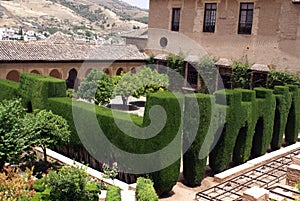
(253, 121)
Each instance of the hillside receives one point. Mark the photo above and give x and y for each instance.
(72, 16)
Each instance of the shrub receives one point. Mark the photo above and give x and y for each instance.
(36, 89)
(14, 186)
(207, 69)
(9, 89)
(13, 142)
(175, 62)
(283, 105)
(241, 75)
(280, 78)
(113, 193)
(145, 190)
(71, 183)
(193, 167)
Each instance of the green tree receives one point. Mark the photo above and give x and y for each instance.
(241, 75)
(97, 86)
(207, 69)
(47, 129)
(141, 83)
(12, 140)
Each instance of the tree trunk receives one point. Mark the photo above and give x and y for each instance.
(125, 100)
(45, 155)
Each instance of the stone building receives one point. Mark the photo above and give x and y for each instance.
(264, 31)
(65, 59)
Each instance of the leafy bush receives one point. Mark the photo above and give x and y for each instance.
(241, 77)
(9, 89)
(280, 78)
(207, 69)
(140, 84)
(46, 129)
(97, 86)
(12, 140)
(175, 62)
(71, 183)
(145, 190)
(113, 193)
(14, 186)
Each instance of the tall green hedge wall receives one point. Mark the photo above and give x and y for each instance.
(283, 105)
(36, 89)
(292, 127)
(8, 89)
(264, 128)
(193, 167)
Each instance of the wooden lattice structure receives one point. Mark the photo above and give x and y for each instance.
(259, 75)
(224, 80)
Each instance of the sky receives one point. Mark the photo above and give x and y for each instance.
(139, 3)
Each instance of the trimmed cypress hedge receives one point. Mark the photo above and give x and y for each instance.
(292, 126)
(9, 89)
(264, 128)
(193, 167)
(243, 144)
(283, 105)
(36, 89)
(165, 179)
(145, 190)
(221, 155)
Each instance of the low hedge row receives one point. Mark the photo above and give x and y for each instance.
(9, 89)
(145, 190)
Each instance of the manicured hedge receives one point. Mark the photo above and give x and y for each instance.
(243, 144)
(165, 179)
(283, 105)
(264, 128)
(221, 155)
(113, 193)
(9, 89)
(145, 190)
(36, 89)
(193, 166)
(292, 127)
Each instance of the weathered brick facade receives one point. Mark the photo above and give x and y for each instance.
(275, 37)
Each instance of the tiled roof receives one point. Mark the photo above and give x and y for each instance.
(138, 33)
(260, 68)
(68, 51)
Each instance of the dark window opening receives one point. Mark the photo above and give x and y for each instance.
(175, 19)
(246, 18)
(210, 17)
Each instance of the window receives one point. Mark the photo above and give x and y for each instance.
(246, 18)
(210, 17)
(175, 19)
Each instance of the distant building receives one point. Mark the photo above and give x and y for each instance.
(63, 58)
(266, 31)
(138, 37)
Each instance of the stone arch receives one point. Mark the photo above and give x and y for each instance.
(55, 73)
(88, 72)
(13, 76)
(106, 71)
(119, 71)
(133, 70)
(71, 78)
(35, 72)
